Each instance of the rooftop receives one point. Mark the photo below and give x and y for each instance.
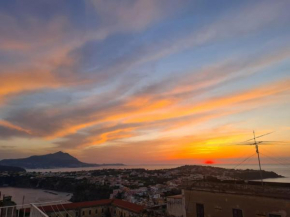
(242, 189)
(71, 206)
(179, 196)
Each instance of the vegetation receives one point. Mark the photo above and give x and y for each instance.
(89, 192)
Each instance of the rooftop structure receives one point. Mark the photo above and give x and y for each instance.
(242, 189)
(179, 196)
(175, 205)
(238, 200)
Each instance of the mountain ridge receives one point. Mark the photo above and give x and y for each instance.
(49, 161)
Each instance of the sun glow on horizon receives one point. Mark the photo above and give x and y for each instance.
(209, 162)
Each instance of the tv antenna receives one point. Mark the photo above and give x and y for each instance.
(256, 143)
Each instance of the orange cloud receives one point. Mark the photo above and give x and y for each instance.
(12, 126)
(226, 102)
(150, 113)
(18, 82)
(198, 147)
(107, 137)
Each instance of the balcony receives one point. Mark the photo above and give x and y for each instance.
(27, 210)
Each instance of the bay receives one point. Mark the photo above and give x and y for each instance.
(33, 195)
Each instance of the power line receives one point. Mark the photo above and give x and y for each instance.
(243, 161)
(286, 161)
(273, 159)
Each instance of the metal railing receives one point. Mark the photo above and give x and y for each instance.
(14, 211)
(27, 210)
(36, 212)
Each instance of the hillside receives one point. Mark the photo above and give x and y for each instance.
(49, 161)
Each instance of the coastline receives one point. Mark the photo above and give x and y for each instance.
(63, 178)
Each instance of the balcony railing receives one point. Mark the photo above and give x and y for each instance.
(36, 212)
(14, 211)
(27, 210)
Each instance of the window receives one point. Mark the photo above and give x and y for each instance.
(237, 213)
(66, 215)
(199, 210)
(274, 215)
(90, 212)
(96, 211)
(83, 212)
(77, 214)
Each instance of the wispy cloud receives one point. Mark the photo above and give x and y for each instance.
(124, 76)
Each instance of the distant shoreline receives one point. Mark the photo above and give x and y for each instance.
(267, 167)
(91, 166)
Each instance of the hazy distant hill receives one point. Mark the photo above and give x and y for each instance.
(49, 161)
(11, 169)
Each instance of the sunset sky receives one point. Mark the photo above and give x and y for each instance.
(144, 81)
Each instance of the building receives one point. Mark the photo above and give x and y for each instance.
(6, 202)
(99, 208)
(236, 200)
(175, 206)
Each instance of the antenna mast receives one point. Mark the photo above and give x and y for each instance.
(256, 144)
(257, 151)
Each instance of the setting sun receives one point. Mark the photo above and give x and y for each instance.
(209, 162)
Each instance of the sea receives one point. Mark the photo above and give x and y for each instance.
(39, 195)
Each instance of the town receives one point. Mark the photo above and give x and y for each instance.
(144, 187)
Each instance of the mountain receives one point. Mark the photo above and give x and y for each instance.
(11, 169)
(49, 161)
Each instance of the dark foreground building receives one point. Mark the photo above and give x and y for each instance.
(235, 200)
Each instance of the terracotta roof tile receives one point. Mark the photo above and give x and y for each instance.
(71, 206)
(127, 205)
